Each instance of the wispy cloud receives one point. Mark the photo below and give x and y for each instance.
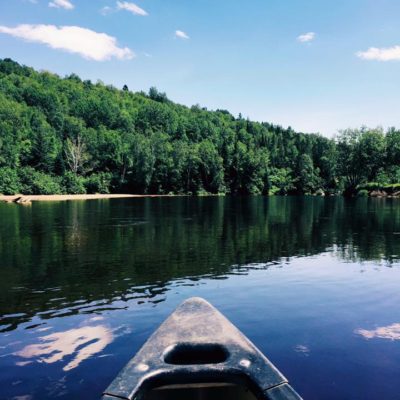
(181, 35)
(106, 10)
(306, 37)
(380, 54)
(66, 4)
(131, 7)
(73, 39)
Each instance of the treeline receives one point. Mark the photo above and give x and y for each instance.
(65, 135)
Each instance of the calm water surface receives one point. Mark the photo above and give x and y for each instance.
(315, 283)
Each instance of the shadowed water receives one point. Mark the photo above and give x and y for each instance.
(313, 282)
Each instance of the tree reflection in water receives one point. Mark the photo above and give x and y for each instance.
(66, 258)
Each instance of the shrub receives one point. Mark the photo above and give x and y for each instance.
(98, 183)
(73, 184)
(273, 190)
(202, 192)
(9, 181)
(35, 182)
(362, 193)
(369, 186)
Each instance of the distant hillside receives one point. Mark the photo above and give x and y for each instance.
(65, 135)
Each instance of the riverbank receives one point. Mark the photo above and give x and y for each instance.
(26, 199)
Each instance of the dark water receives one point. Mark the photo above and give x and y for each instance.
(315, 283)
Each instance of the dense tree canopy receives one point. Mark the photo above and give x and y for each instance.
(65, 135)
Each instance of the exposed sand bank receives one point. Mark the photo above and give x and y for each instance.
(20, 198)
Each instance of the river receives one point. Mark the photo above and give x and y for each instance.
(313, 282)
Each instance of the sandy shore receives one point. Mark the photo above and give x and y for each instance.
(20, 198)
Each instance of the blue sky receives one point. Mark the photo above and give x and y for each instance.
(315, 65)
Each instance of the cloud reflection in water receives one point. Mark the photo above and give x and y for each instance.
(302, 349)
(391, 332)
(82, 343)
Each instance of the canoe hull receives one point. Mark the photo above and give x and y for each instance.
(197, 345)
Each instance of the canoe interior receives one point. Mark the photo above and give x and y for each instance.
(212, 391)
(197, 348)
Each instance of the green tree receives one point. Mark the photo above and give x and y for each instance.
(36, 182)
(361, 154)
(281, 181)
(114, 140)
(9, 181)
(308, 179)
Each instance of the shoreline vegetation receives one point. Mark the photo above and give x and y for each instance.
(68, 136)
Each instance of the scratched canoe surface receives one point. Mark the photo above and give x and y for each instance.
(313, 282)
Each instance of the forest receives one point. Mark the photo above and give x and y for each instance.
(68, 135)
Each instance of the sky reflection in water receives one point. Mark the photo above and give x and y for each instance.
(315, 283)
(80, 343)
(391, 332)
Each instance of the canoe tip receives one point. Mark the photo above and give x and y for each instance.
(195, 300)
(196, 305)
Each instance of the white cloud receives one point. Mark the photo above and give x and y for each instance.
(73, 39)
(106, 10)
(306, 37)
(66, 4)
(380, 54)
(181, 35)
(131, 7)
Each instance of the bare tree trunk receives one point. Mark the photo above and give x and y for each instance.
(75, 154)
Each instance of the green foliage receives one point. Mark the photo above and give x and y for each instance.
(9, 181)
(369, 186)
(383, 177)
(362, 156)
(393, 172)
(36, 182)
(393, 147)
(362, 193)
(155, 95)
(95, 138)
(98, 183)
(73, 184)
(309, 180)
(281, 181)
